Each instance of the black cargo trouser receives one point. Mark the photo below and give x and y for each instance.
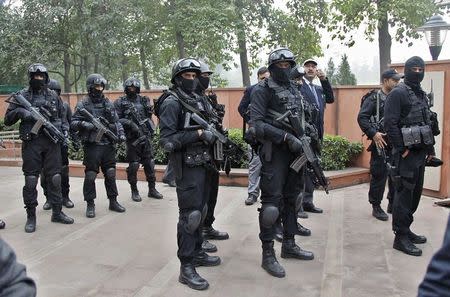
(143, 154)
(212, 200)
(65, 186)
(379, 175)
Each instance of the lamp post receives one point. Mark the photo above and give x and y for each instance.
(435, 32)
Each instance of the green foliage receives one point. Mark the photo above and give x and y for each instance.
(3, 127)
(238, 160)
(344, 76)
(337, 152)
(331, 72)
(159, 154)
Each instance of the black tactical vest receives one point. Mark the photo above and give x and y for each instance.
(100, 108)
(419, 114)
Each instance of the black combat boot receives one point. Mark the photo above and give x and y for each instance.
(415, 238)
(209, 247)
(270, 262)
(90, 209)
(135, 194)
(153, 193)
(190, 277)
(404, 244)
(379, 213)
(203, 259)
(67, 203)
(115, 206)
(251, 199)
(30, 225)
(290, 250)
(302, 231)
(211, 233)
(59, 217)
(2, 224)
(47, 205)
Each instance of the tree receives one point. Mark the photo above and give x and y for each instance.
(331, 72)
(378, 17)
(344, 75)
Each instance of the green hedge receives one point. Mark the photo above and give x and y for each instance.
(3, 127)
(337, 152)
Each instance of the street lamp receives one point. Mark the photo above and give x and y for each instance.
(435, 32)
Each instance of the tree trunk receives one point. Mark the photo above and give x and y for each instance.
(180, 45)
(143, 58)
(384, 43)
(96, 62)
(67, 86)
(242, 43)
(124, 68)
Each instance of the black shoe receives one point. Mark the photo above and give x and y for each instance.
(135, 196)
(389, 207)
(190, 277)
(115, 206)
(90, 210)
(416, 239)
(203, 259)
(310, 207)
(153, 193)
(302, 214)
(47, 205)
(30, 225)
(209, 247)
(251, 199)
(270, 262)
(67, 203)
(60, 217)
(170, 183)
(290, 250)
(302, 231)
(404, 244)
(434, 162)
(211, 233)
(2, 224)
(379, 213)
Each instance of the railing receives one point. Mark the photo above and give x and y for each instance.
(11, 137)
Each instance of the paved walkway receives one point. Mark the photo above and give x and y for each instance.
(134, 254)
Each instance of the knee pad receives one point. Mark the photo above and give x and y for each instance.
(90, 176)
(204, 212)
(132, 167)
(31, 182)
(269, 215)
(110, 173)
(56, 180)
(193, 219)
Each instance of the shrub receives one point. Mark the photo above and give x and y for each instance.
(238, 160)
(3, 127)
(337, 152)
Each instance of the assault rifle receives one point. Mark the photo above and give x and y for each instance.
(41, 120)
(308, 154)
(100, 125)
(146, 126)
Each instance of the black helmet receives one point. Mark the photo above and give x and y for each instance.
(38, 68)
(132, 82)
(184, 65)
(204, 68)
(297, 72)
(95, 79)
(55, 86)
(281, 55)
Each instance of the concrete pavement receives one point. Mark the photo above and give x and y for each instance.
(134, 254)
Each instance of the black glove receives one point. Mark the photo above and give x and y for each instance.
(293, 142)
(122, 138)
(208, 137)
(87, 126)
(24, 114)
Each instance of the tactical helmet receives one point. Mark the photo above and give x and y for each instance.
(204, 68)
(281, 55)
(95, 79)
(297, 72)
(185, 65)
(55, 86)
(38, 68)
(132, 82)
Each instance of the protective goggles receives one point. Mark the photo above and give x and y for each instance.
(133, 83)
(281, 54)
(37, 68)
(99, 81)
(189, 63)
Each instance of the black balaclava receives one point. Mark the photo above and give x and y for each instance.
(280, 75)
(95, 94)
(187, 85)
(203, 83)
(37, 84)
(131, 94)
(413, 79)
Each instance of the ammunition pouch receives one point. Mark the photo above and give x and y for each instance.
(196, 154)
(417, 136)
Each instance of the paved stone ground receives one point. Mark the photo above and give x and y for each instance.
(134, 254)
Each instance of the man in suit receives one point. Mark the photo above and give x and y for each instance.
(254, 166)
(318, 96)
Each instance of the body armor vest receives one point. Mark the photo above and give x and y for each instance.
(100, 108)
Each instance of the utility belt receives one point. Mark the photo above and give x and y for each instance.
(197, 154)
(417, 136)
